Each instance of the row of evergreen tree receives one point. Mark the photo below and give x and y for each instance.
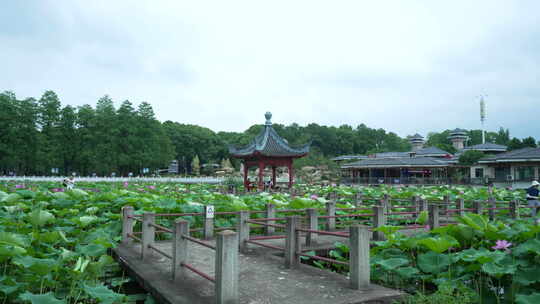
(37, 135)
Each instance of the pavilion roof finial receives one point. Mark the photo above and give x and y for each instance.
(268, 117)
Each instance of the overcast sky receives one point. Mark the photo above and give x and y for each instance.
(405, 66)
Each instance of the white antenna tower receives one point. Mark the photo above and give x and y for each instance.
(483, 116)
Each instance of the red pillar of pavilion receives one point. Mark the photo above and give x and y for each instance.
(273, 176)
(246, 170)
(261, 176)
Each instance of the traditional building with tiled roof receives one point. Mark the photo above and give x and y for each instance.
(268, 149)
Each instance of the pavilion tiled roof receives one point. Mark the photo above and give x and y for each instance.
(390, 155)
(269, 143)
(520, 155)
(401, 162)
(349, 157)
(431, 151)
(487, 147)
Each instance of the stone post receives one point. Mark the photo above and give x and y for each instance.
(514, 212)
(446, 204)
(270, 213)
(433, 216)
(331, 211)
(478, 208)
(148, 235)
(180, 248)
(226, 268)
(291, 258)
(313, 224)
(491, 204)
(385, 202)
(243, 230)
(461, 206)
(379, 220)
(423, 205)
(359, 199)
(208, 228)
(359, 268)
(127, 224)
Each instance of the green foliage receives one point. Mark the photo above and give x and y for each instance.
(470, 157)
(54, 246)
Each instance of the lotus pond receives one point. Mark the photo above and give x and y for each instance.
(53, 243)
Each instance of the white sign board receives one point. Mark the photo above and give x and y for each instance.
(210, 211)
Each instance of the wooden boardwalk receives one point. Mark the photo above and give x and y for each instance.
(263, 279)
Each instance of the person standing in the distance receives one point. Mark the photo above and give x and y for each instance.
(532, 198)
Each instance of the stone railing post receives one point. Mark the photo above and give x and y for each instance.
(331, 211)
(291, 243)
(313, 224)
(226, 268)
(446, 204)
(148, 235)
(478, 208)
(433, 216)
(359, 267)
(491, 204)
(179, 249)
(270, 213)
(358, 202)
(385, 202)
(208, 225)
(379, 220)
(514, 212)
(423, 205)
(127, 224)
(460, 206)
(243, 230)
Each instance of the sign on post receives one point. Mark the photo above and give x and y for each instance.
(209, 211)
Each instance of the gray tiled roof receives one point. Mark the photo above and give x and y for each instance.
(458, 130)
(269, 143)
(525, 154)
(431, 151)
(391, 154)
(402, 162)
(487, 147)
(416, 136)
(349, 157)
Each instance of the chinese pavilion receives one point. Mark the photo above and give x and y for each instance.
(268, 149)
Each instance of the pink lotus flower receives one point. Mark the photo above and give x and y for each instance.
(126, 184)
(313, 197)
(58, 190)
(502, 244)
(152, 187)
(19, 186)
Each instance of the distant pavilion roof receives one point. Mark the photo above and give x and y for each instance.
(402, 162)
(520, 155)
(349, 157)
(269, 143)
(488, 147)
(416, 137)
(390, 155)
(431, 151)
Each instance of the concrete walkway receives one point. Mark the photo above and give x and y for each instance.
(263, 278)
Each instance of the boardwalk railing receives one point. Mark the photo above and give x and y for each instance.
(305, 224)
(226, 253)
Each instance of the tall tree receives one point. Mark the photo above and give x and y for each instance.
(105, 136)
(48, 122)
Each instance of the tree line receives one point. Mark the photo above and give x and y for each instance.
(43, 137)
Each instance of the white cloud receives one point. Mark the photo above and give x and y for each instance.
(411, 66)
